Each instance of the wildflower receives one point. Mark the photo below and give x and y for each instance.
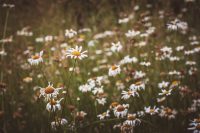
(168, 112)
(163, 84)
(120, 85)
(137, 86)
(121, 110)
(128, 94)
(104, 115)
(49, 92)
(127, 59)
(54, 105)
(85, 88)
(139, 75)
(58, 122)
(145, 64)
(195, 126)
(80, 116)
(165, 92)
(132, 120)
(76, 53)
(132, 33)
(101, 101)
(36, 59)
(116, 47)
(70, 33)
(28, 79)
(177, 24)
(151, 111)
(114, 70)
(125, 128)
(3, 53)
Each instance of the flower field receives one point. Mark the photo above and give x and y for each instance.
(94, 67)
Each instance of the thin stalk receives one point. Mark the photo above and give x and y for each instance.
(4, 35)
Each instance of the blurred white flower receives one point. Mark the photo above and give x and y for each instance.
(114, 70)
(76, 53)
(36, 59)
(116, 47)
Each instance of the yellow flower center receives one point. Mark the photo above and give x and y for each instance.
(131, 117)
(175, 82)
(76, 53)
(114, 67)
(114, 104)
(138, 83)
(168, 111)
(35, 57)
(49, 90)
(152, 110)
(120, 108)
(53, 102)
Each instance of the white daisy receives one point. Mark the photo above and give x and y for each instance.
(36, 59)
(151, 111)
(70, 33)
(76, 53)
(104, 115)
(49, 92)
(195, 127)
(128, 94)
(168, 112)
(54, 105)
(132, 33)
(137, 86)
(114, 70)
(132, 120)
(121, 110)
(165, 92)
(116, 47)
(58, 122)
(163, 84)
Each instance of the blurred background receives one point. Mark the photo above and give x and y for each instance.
(50, 15)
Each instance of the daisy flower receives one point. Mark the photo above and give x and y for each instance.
(101, 101)
(163, 84)
(85, 88)
(177, 24)
(116, 47)
(121, 110)
(114, 70)
(139, 75)
(151, 111)
(54, 105)
(36, 59)
(104, 115)
(58, 122)
(76, 53)
(132, 120)
(137, 86)
(49, 92)
(195, 127)
(128, 94)
(132, 33)
(165, 92)
(80, 116)
(168, 112)
(70, 33)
